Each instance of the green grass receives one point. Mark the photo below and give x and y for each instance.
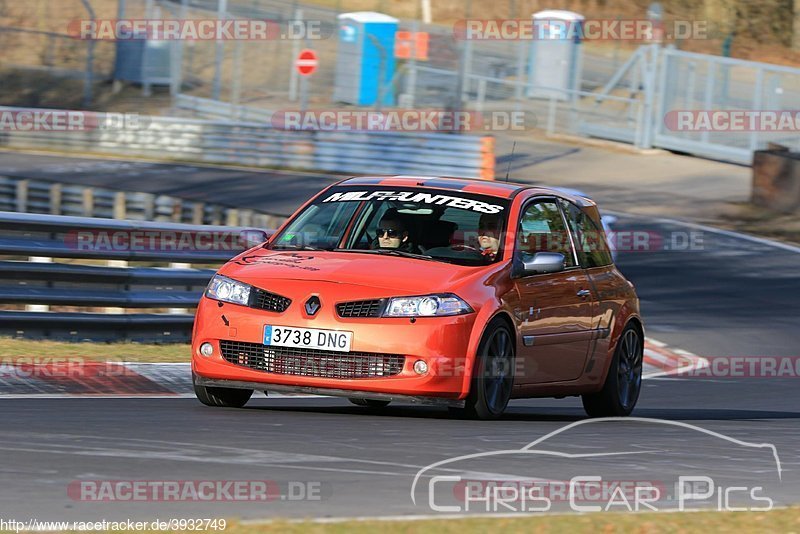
(133, 352)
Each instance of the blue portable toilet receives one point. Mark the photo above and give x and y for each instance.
(364, 58)
(555, 61)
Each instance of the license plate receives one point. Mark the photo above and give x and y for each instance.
(307, 338)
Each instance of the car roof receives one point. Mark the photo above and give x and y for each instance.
(467, 185)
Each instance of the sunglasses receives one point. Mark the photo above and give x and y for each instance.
(389, 232)
(488, 227)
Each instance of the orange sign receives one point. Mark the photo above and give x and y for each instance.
(408, 43)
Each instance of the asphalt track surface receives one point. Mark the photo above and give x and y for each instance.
(269, 191)
(728, 296)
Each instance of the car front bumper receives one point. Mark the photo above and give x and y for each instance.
(442, 342)
(281, 388)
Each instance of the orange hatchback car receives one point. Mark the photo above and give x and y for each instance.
(447, 291)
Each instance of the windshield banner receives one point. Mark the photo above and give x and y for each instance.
(412, 196)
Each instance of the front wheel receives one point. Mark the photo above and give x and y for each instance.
(624, 381)
(493, 375)
(222, 397)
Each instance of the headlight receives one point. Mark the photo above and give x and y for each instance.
(426, 306)
(227, 290)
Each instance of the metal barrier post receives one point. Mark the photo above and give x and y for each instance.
(758, 92)
(146, 87)
(664, 65)
(522, 50)
(293, 74)
(411, 78)
(465, 69)
(39, 307)
(176, 63)
(481, 95)
(88, 80)
(236, 84)
(651, 63)
(637, 135)
(551, 115)
(179, 265)
(113, 310)
(709, 96)
(222, 9)
(22, 196)
(55, 199)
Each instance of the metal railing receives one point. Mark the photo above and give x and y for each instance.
(692, 82)
(91, 301)
(260, 144)
(220, 110)
(26, 195)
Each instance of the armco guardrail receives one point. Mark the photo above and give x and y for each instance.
(31, 278)
(258, 143)
(45, 197)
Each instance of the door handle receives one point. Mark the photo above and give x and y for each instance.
(583, 293)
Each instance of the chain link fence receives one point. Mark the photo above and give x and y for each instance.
(620, 91)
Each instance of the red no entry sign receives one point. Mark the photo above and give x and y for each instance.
(306, 62)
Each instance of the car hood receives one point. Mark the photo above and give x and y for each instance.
(408, 275)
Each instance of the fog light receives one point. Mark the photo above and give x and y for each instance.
(420, 367)
(207, 349)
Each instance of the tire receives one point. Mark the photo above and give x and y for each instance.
(624, 381)
(222, 397)
(370, 403)
(493, 375)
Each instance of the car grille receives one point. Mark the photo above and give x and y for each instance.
(311, 362)
(360, 308)
(264, 300)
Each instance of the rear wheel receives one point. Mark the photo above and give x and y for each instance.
(624, 381)
(370, 403)
(493, 375)
(222, 397)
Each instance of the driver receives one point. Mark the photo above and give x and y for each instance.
(393, 234)
(489, 235)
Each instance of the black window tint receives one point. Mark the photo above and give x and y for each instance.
(590, 241)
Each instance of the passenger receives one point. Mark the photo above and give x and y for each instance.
(489, 235)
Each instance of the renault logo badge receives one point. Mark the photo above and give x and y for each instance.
(313, 305)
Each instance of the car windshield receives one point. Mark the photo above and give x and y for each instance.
(434, 225)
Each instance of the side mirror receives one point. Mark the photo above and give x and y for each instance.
(252, 237)
(542, 262)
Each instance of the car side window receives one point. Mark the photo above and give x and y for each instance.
(590, 241)
(541, 229)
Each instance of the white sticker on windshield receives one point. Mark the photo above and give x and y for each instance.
(413, 196)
